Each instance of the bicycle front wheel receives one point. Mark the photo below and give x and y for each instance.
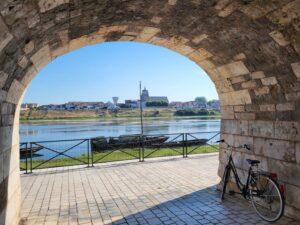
(225, 181)
(266, 198)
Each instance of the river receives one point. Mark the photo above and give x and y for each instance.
(57, 130)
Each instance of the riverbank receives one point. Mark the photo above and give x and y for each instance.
(122, 114)
(117, 155)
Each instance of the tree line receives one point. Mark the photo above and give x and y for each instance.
(195, 112)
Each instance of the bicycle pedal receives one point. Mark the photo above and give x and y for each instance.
(231, 192)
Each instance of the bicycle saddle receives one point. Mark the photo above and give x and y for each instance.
(252, 161)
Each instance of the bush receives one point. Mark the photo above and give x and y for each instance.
(186, 112)
(194, 112)
(156, 103)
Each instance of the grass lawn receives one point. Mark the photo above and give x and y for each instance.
(119, 155)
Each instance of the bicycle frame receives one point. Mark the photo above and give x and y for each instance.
(252, 190)
(242, 187)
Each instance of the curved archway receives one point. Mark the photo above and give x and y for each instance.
(250, 51)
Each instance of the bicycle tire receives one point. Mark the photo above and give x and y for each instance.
(225, 181)
(262, 200)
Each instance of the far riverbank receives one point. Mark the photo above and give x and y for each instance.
(106, 115)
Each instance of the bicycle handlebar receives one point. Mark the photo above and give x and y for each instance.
(242, 146)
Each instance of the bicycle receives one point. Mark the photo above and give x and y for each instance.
(261, 188)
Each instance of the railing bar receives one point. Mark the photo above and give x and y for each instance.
(36, 143)
(204, 132)
(128, 154)
(60, 153)
(213, 136)
(194, 149)
(76, 159)
(175, 138)
(152, 152)
(119, 147)
(67, 140)
(105, 155)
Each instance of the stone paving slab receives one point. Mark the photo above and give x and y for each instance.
(179, 191)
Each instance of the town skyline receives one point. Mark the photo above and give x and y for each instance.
(105, 101)
(102, 71)
(145, 100)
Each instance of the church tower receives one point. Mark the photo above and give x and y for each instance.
(145, 95)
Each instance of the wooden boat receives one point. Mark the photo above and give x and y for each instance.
(186, 143)
(134, 141)
(27, 152)
(125, 141)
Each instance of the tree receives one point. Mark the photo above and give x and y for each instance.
(156, 103)
(201, 100)
(212, 101)
(192, 112)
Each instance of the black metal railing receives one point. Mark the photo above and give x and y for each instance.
(204, 140)
(107, 149)
(61, 153)
(171, 145)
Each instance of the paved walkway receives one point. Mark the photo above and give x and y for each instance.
(180, 191)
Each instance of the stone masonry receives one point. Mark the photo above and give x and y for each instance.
(249, 48)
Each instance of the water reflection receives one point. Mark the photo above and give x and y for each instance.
(76, 130)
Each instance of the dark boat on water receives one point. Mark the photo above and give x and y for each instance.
(185, 143)
(26, 152)
(134, 141)
(125, 141)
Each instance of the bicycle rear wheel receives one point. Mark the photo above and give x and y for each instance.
(266, 198)
(225, 181)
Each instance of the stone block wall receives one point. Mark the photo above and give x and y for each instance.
(275, 144)
(250, 50)
(10, 188)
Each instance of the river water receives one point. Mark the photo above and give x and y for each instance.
(57, 130)
(46, 131)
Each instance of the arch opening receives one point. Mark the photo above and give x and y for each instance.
(94, 75)
(250, 51)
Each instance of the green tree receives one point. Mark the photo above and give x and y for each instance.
(192, 112)
(211, 101)
(201, 100)
(156, 103)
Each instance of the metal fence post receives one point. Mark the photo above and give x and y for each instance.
(88, 152)
(30, 157)
(26, 158)
(186, 146)
(92, 153)
(142, 149)
(183, 145)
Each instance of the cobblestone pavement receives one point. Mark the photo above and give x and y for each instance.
(181, 191)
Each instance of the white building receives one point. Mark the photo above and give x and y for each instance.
(25, 106)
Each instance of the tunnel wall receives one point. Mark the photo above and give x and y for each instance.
(250, 50)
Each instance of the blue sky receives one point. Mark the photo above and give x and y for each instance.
(99, 72)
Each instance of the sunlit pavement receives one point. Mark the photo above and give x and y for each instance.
(178, 191)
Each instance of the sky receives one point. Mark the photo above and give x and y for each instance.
(100, 72)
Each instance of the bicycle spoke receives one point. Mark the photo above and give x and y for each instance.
(261, 188)
(266, 199)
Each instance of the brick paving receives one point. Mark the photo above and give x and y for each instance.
(178, 191)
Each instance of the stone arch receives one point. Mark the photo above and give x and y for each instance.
(250, 50)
